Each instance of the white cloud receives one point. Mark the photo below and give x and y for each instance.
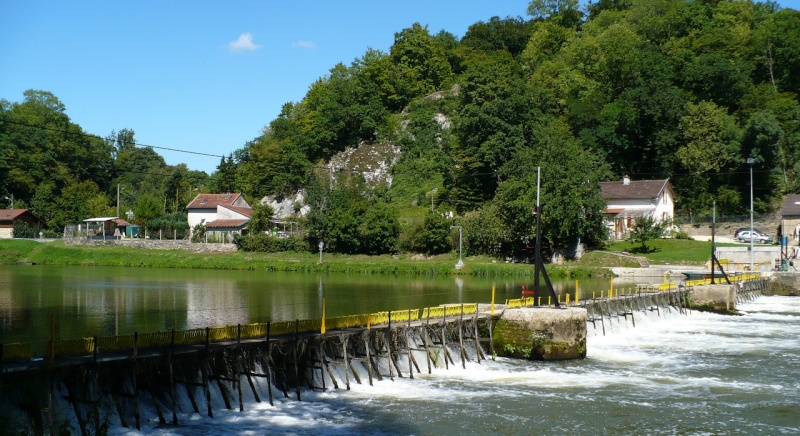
(244, 43)
(304, 44)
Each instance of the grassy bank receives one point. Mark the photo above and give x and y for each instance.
(57, 253)
(670, 251)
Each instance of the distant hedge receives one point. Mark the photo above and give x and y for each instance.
(265, 243)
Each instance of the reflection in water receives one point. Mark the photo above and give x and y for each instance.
(105, 301)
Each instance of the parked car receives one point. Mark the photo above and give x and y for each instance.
(758, 237)
(741, 229)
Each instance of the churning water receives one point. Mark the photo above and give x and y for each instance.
(699, 373)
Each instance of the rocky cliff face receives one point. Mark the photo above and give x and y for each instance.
(373, 161)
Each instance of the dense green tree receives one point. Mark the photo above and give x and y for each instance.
(711, 144)
(39, 143)
(431, 236)
(570, 193)
(777, 50)
(260, 219)
(509, 34)
(761, 141)
(77, 202)
(147, 210)
(490, 127)
(224, 179)
(420, 64)
(564, 12)
(484, 232)
(379, 229)
(335, 216)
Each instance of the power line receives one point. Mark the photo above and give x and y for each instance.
(91, 135)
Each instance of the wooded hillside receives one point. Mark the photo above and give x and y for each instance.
(651, 88)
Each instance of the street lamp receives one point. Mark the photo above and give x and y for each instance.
(12, 200)
(751, 161)
(460, 263)
(321, 246)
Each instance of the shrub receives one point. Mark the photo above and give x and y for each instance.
(266, 243)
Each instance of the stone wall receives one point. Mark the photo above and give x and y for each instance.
(165, 244)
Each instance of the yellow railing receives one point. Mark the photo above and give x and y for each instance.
(74, 347)
(17, 351)
(107, 344)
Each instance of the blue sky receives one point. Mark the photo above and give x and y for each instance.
(202, 76)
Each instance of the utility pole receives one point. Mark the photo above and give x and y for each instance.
(539, 264)
(117, 200)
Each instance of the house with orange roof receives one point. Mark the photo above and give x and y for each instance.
(628, 200)
(224, 214)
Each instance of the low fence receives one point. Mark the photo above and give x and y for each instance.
(138, 341)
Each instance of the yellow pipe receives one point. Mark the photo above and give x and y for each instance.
(568, 299)
(322, 329)
(576, 292)
(492, 301)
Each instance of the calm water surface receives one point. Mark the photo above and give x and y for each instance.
(106, 301)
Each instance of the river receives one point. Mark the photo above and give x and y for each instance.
(109, 301)
(671, 374)
(699, 373)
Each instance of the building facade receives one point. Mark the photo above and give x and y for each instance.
(629, 200)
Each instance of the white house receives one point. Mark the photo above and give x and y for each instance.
(223, 213)
(631, 199)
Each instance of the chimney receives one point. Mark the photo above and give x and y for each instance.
(626, 180)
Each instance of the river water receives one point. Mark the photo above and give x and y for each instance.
(107, 301)
(671, 374)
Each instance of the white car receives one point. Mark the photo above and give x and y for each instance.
(758, 237)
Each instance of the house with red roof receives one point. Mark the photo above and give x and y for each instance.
(221, 213)
(10, 217)
(628, 200)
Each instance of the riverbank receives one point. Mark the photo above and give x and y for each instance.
(58, 253)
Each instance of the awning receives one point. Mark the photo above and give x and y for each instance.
(635, 213)
(230, 224)
(100, 220)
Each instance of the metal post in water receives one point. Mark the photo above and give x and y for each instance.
(751, 161)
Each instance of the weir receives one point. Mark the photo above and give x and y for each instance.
(97, 382)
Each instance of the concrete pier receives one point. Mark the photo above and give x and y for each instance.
(785, 283)
(714, 298)
(537, 333)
